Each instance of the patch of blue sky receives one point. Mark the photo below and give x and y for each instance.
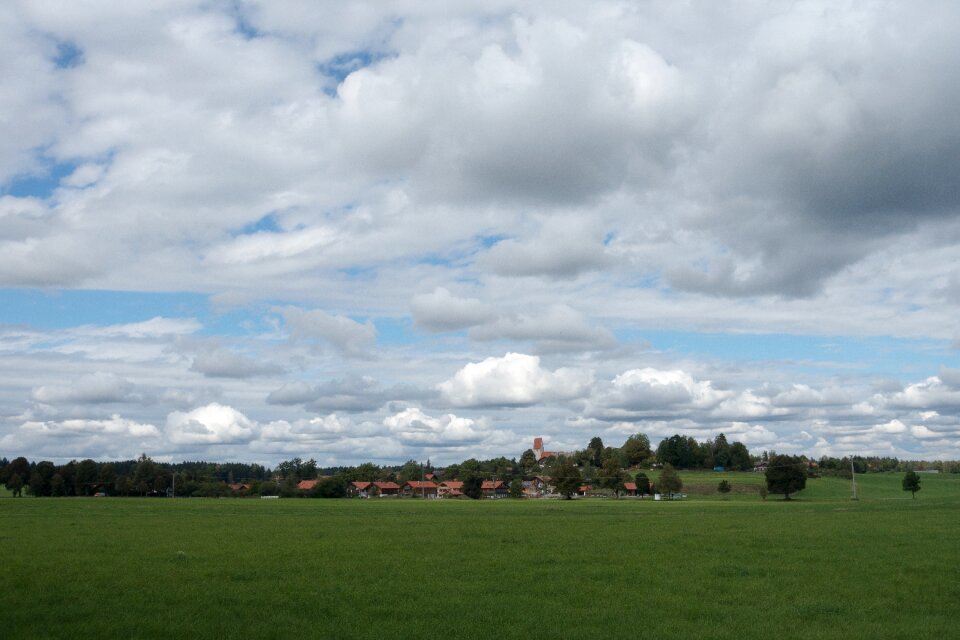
(40, 184)
(72, 308)
(267, 223)
(396, 331)
(359, 273)
(896, 357)
(69, 55)
(488, 241)
(337, 68)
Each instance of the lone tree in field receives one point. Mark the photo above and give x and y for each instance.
(567, 478)
(911, 483)
(669, 481)
(723, 487)
(786, 475)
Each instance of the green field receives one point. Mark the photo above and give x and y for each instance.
(820, 566)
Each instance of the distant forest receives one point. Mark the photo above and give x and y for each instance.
(595, 462)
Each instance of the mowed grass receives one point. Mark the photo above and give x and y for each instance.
(821, 566)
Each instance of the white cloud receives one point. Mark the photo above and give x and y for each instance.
(515, 379)
(93, 388)
(413, 427)
(213, 424)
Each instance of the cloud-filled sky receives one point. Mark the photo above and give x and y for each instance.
(382, 231)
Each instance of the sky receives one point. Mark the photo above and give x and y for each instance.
(367, 231)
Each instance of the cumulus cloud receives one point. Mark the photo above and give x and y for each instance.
(556, 328)
(113, 426)
(442, 311)
(220, 362)
(213, 424)
(344, 334)
(94, 388)
(515, 379)
(562, 250)
(413, 427)
(652, 392)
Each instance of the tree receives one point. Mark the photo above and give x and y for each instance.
(669, 481)
(15, 485)
(596, 448)
(643, 483)
(528, 460)
(516, 488)
(613, 477)
(36, 484)
(723, 487)
(911, 483)
(473, 485)
(636, 449)
(411, 470)
(567, 478)
(740, 457)
(786, 475)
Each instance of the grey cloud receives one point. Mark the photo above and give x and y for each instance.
(94, 388)
(226, 363)
(347, 336)
(352, 394)
(554, 329)
(442, 311)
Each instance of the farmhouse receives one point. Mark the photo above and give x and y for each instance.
(495, 489)
(306, 485)
(631, 488)
(450, 489)
(426, 489)
(384, 489)
(361, 489)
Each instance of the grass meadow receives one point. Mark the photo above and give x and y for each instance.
(820, 566)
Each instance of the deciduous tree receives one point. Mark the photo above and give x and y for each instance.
(669, 481)
(786, 475)
(567, 478)
(911, 483)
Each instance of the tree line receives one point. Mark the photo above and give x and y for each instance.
(596, 464)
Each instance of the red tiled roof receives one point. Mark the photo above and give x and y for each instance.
(306, 485)
(491, 484)
(386, 485)
(239, 487)
(453, 484)
(417, 484)
(361, 486)
(630, 486)
(428, 476)
(584, 488)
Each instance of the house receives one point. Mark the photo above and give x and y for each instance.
(307, 485)
(237, 487)
(419, 488)
(495, 489)
(360, 489)
(631, 488)
(584, 489)
(450, 489)
(537, 488)
(384, 489)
